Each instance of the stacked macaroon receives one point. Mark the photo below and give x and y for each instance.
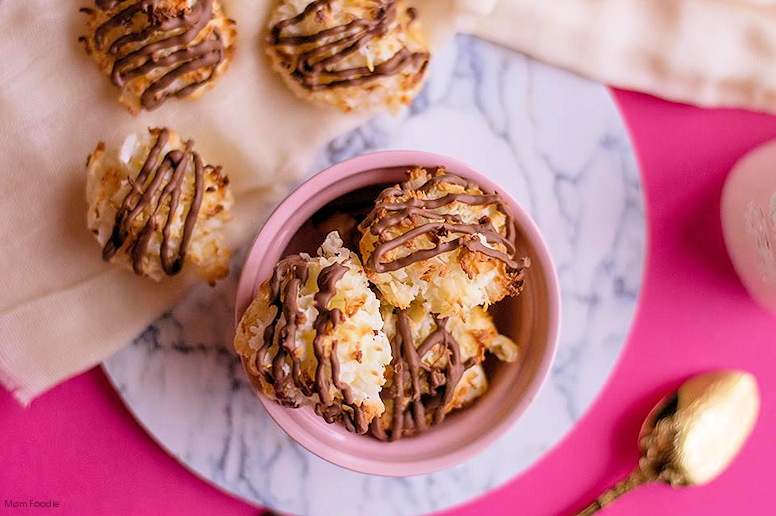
(391, 339)
(439, 250)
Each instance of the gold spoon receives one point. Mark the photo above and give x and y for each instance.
(691, 436)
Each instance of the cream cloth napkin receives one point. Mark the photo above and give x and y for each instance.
(705, 52)
(62, 310)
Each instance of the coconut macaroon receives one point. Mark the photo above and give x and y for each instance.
(436, 366)
(154, 50)
(440, 239)
(357, 55)
(314, 336)
(155, 206)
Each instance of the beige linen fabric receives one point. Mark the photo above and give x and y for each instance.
(62, 310)
(705, 52)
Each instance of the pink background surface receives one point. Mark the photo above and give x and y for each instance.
(79, 446)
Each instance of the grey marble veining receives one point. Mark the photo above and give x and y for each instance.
(556, 143)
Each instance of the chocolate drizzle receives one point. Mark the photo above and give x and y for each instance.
(390, 212)
(319, 54)
(288, 279)
(413, 411)
(294, 272)
(159, 44)
(148, 190)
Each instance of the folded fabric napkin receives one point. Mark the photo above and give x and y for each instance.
(705, 52)
(62, 310)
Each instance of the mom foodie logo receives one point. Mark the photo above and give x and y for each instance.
(29, 504)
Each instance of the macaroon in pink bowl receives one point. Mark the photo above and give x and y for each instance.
(530, 319)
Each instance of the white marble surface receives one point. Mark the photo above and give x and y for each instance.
(555, 142)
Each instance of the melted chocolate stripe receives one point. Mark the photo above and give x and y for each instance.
(437, 228)
(292, 269)
(453, 372)
(355, 35)
(363, 75)
(289, 277)
(165, 47)
(327, 280)
(389, 213)
(409, 406)
(347, 45)
(175, 264)
(149, 53)
(147, 199)
(158, 93)
(148, 190)
(121, 19)
(343, 30)
(413, 362)
(120, 228)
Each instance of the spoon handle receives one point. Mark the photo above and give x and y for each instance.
(636, 478)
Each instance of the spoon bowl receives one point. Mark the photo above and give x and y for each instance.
(692, 435)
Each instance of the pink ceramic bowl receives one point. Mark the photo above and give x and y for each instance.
(531, 320)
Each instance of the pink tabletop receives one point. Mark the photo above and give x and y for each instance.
(79, 447)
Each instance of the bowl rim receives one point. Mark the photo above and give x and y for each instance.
(392, 159)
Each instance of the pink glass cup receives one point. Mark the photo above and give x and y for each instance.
(530, 319)
(748, 214)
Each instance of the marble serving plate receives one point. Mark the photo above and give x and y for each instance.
(557, 144)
